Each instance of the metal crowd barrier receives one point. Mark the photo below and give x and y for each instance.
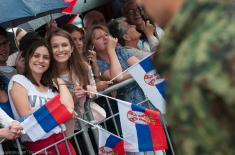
(91, 149)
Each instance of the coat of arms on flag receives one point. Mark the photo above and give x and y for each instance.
(150, 82)
(142, 128)
(109, 144)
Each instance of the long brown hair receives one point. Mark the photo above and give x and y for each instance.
(76, 64)
(46, 79)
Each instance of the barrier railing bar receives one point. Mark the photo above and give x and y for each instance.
(94, 125)
(57, 150)
(2, 140)
(117, 86)
(85, 125)
(108, 118)
(66, 143)
(163, 120)
(55, 143)
(113, 119)
(86, 137)
(90, 117)
(77, 145)
(19, 147)
(105, 125)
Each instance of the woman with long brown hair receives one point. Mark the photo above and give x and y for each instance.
(113, 60)
(70, 66)
(36, 88)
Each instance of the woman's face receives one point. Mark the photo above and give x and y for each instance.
(61, 49)
(100, 39)
(40, 61)
(133, 14)
(78, 40)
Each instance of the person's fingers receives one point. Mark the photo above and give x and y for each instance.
(19, 133)
(92, 52)
(90, 56)
(109, 82)
(11, 136)
(78, 96)
(77, 83)
(78, 88)
(79, 92)
(15, 136)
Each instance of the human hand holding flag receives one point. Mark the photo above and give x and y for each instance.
(54, 112)
(142, 131)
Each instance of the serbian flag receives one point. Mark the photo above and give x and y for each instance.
(45, 119)
(142, 128)
(109, 144)
(150, 82)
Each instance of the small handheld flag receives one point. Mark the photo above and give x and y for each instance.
(45, 119)
(142, 128)
(147, 78)
(109, 144)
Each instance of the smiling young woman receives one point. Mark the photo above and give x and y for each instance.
(36, 88)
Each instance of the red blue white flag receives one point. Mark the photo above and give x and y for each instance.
(70, 8)
(150, 82)
(45, 119)
(110, 144)
(142, 128)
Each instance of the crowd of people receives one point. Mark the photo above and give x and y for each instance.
(82, 60)
(195, 45)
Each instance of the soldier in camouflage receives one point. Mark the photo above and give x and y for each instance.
(197, 55)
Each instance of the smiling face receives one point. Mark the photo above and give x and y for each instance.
(39, 61)
(61, 49)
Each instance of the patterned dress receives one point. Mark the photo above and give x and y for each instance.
(131, 93)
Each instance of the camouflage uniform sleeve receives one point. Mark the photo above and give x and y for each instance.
(198, 56)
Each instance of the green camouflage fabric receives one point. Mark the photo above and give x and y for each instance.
(197, 56)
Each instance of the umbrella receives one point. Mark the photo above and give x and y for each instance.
(35, 24)
(15, 12)
(32, 25)
(83, 6)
